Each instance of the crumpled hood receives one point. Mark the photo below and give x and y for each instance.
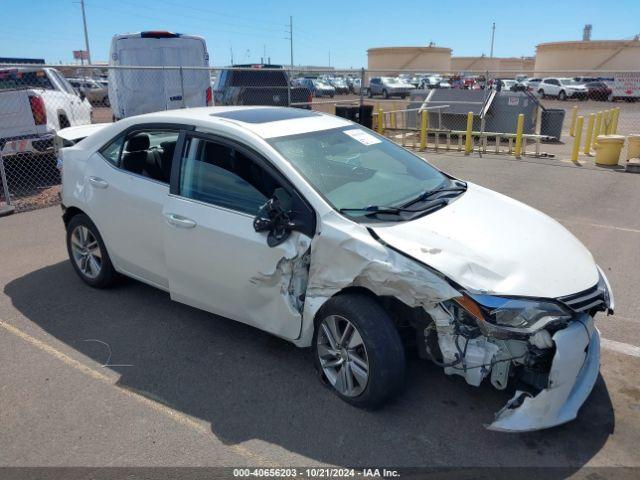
(489, 242)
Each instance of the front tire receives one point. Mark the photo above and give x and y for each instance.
(541, 93)
(562, 96)
(385, 94)
(358, 350)
(88, 253)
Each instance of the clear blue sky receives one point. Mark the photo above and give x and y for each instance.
(51, 29)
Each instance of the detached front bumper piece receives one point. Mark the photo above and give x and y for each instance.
(573, 373)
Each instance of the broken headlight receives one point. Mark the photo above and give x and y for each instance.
(503, 317)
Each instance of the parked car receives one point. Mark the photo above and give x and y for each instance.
(505, 84)
(356, 85)
(325, 234)
(599, 91)
(562, 88)
(317, 87)
(340, 85)
(532, 84)
(133, 91)
(95, 92)
(389, 87)
(258, 84)
(34, 104)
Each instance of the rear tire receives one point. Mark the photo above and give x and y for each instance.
(88, 253)
(358, 351)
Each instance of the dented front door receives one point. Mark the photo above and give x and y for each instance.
(217, 262)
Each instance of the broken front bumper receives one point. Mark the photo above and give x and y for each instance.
(574, 371)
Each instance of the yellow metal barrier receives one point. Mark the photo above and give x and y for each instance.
(597, 130)
(576, 139)
(574, 114)
(424, 124)
(381, 121)
(606, 122)
(468, 143)
(392, 120)
(587, 140)
(614, 121)
(518, 149)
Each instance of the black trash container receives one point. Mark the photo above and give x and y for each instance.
(551, 122)
(362, 114)
(366, 116)
(347, 111)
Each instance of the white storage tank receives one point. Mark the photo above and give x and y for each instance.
(418, 59)
(583, 57)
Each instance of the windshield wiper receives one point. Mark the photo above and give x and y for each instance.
(374, 209)
(430, 193)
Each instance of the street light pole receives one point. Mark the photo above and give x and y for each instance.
(291, 39)
(86, 34)
(493, 34)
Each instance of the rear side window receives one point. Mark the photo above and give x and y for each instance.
(111, 151)
(10, 79)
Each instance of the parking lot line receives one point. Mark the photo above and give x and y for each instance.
(620, 347)
(156, 406)
(600, 225)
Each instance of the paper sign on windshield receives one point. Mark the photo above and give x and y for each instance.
(363, 137)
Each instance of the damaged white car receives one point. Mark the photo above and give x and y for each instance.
(323, 233)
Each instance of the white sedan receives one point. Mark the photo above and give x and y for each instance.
(330, 236)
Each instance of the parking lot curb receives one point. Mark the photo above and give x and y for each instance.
(7, 210)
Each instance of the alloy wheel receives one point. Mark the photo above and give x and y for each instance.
(343, 355)
(86, 251)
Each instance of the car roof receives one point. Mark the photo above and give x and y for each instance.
(265, 122)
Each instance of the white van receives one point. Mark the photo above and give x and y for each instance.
(134, 91)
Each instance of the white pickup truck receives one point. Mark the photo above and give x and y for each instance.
(34, 104)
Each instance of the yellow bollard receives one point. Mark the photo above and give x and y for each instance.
(587, 140)
(574, 114)
(520, 127)
(606, 122)
(423, 129)
(576, 139)
(616, 115)
(381, 121)
(392, 120)
(468, 143)
(596, 131)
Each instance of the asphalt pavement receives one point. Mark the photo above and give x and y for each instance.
(126, 377)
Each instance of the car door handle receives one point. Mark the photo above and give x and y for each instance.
(179, 221)
(98, 182)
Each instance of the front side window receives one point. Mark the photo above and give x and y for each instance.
(220, 174)
(354, 168)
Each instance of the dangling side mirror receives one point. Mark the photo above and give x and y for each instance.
(275, 217)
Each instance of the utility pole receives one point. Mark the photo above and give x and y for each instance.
(231, 49)
(493, 35)
(86, 34)
(291, 39)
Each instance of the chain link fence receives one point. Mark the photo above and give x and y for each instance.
(470, 112)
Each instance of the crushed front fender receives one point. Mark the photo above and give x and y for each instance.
(574, 371)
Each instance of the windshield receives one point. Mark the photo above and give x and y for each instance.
(392, 81)
(353, 168)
